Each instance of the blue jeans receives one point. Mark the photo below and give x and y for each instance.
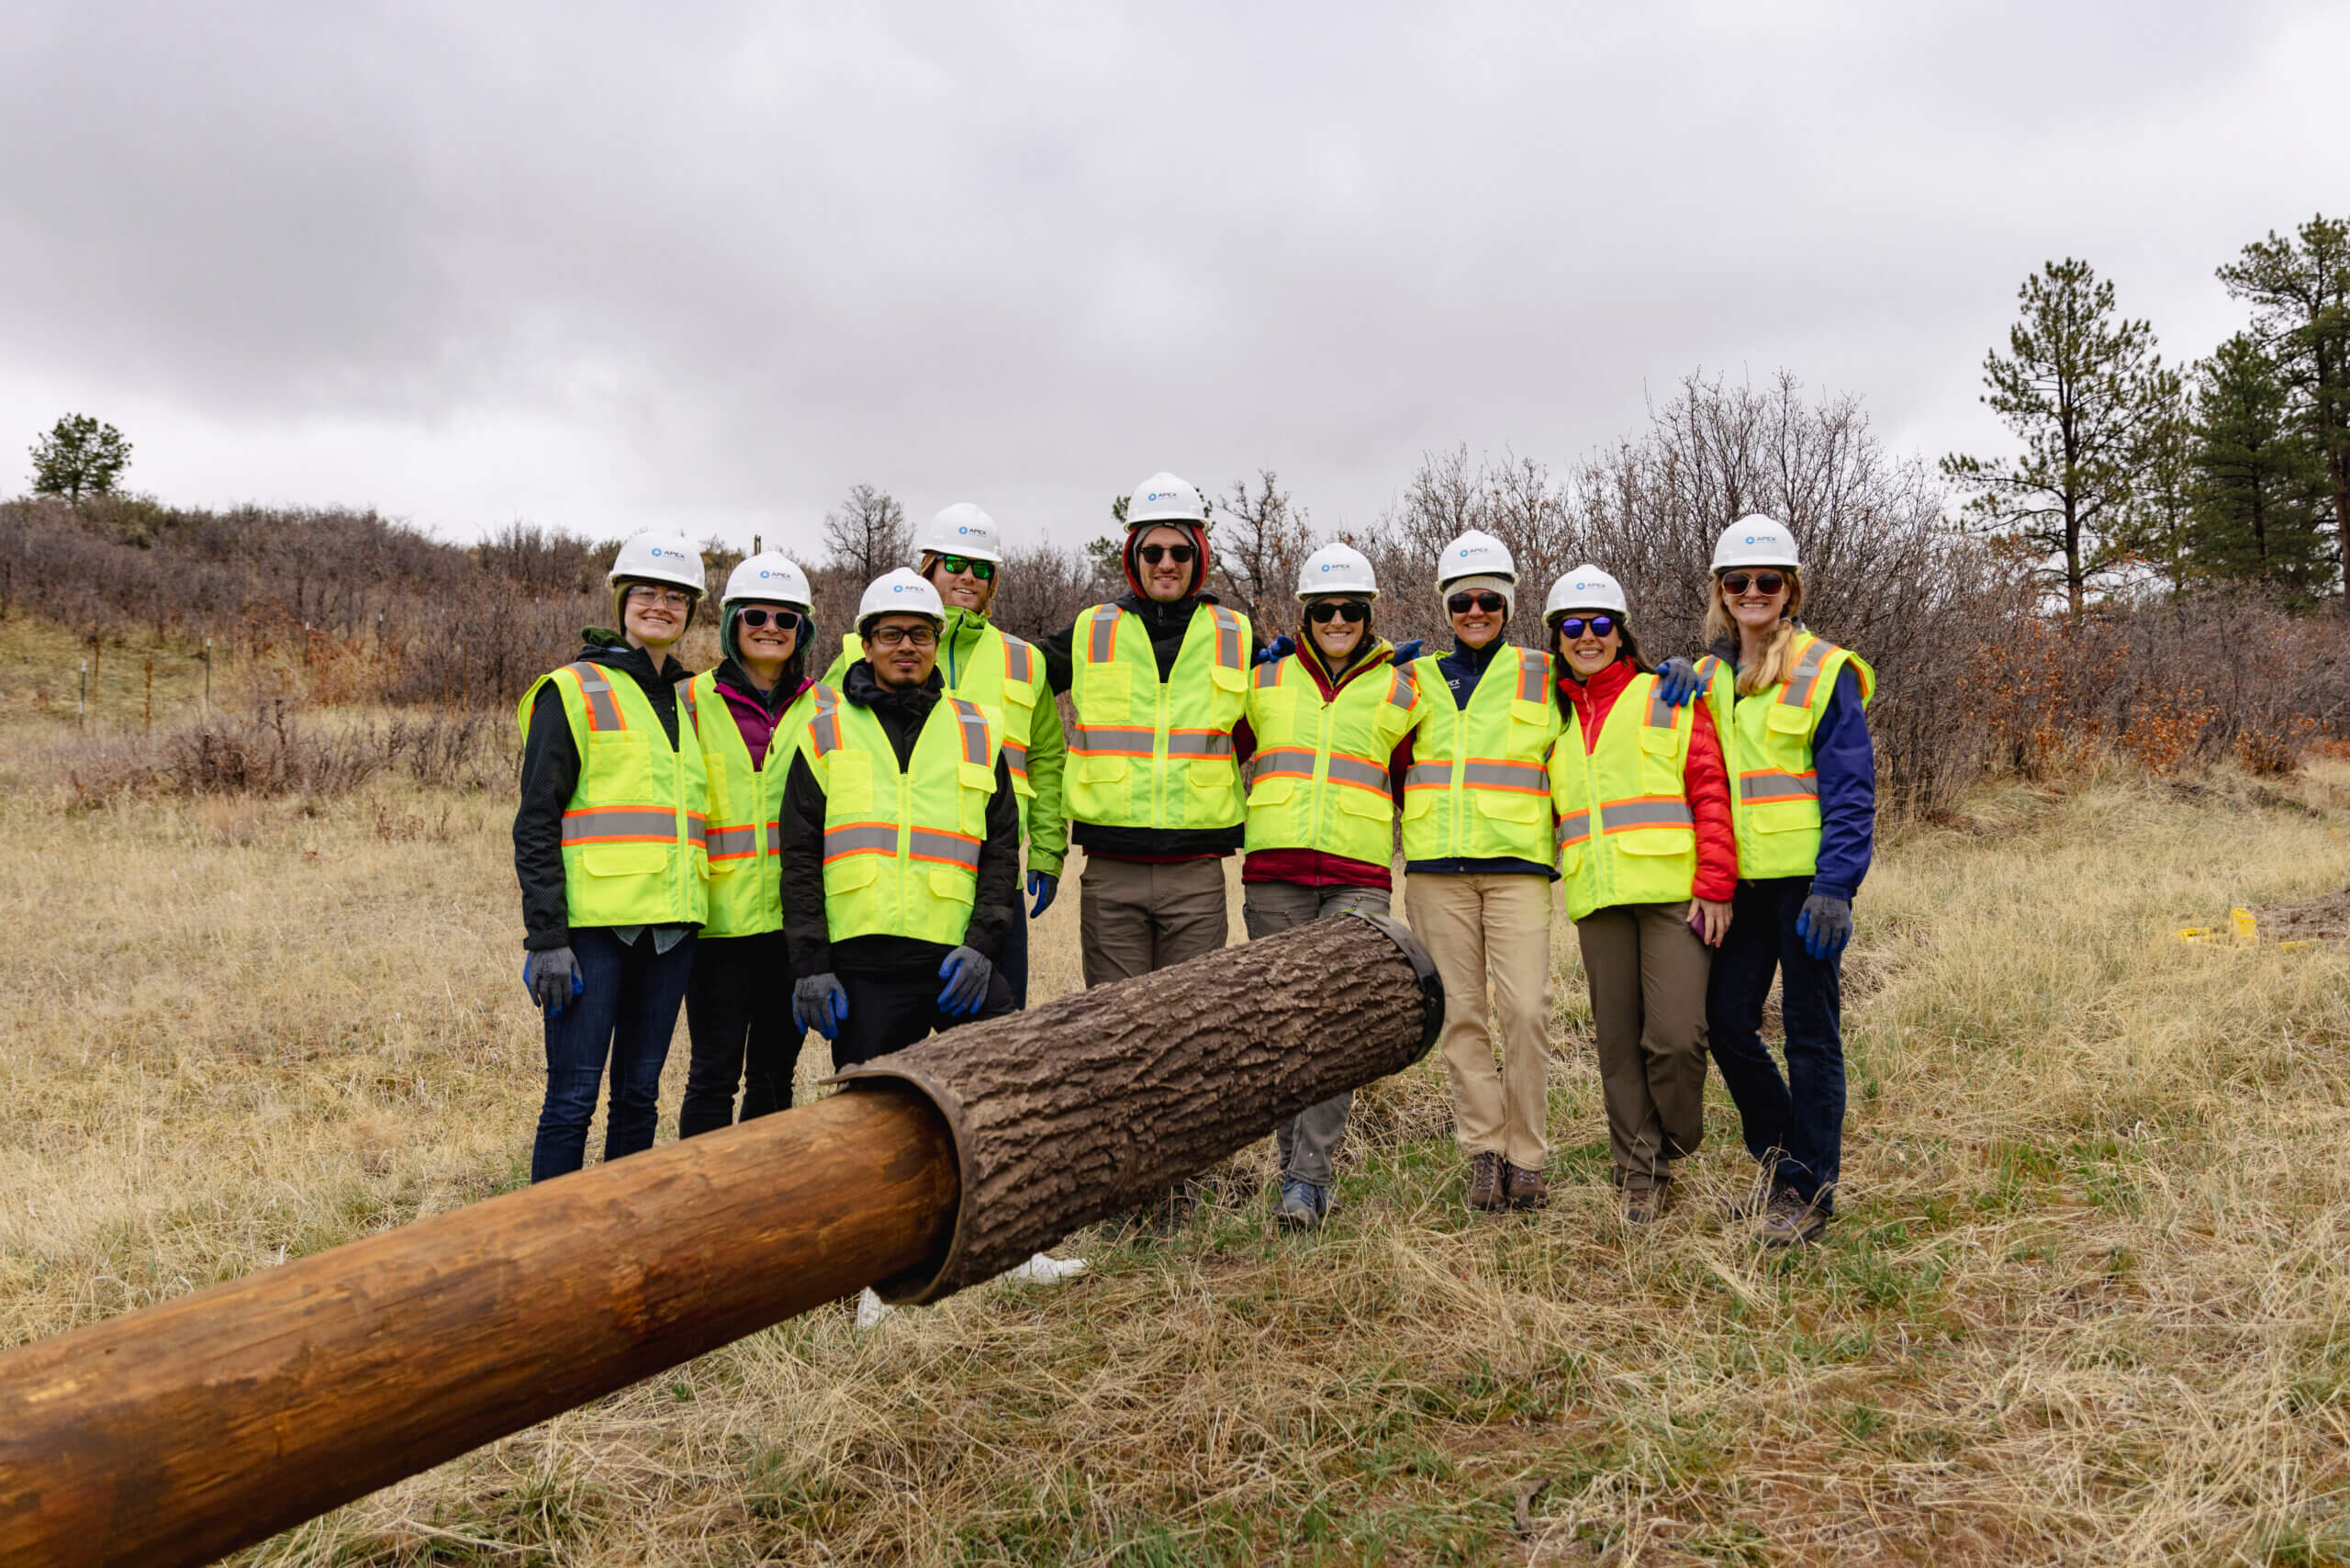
(1012, 963)
(626, 1012)
(1794, 1124)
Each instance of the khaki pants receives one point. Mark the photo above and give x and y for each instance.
(1132, 919)
(1308, 1139)
(1473, 926)
(1647, 976)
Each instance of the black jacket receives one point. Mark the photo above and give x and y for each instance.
(807, 933)
(1168, 625)
(550, 774)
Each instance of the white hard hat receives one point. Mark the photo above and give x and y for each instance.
(1475, 554)
(902, 592)
(1336, 568)
(659, 558)
(1163, 497)
(962, 530)
(1756, 540)
(1585, 587)
(770, 578)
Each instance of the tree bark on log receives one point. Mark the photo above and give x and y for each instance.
(1198, 1060)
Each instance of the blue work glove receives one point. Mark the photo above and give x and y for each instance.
(818, 1002)
(966, 976)
(1279, 648)
(1407, 652)
(1825, 925)
(1042, 886)
(1676, 682)
(552, 978)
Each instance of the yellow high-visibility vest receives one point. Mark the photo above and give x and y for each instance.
(1005, 675)
(1766, 740)
(1479, 787)
(1319, 781)
(746, 809)
(1625, 834)
(634, 844)
(901, 850)
(1148, 752)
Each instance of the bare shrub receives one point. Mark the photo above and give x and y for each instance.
(277, 751)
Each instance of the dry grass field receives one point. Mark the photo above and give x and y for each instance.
(2088, 1299)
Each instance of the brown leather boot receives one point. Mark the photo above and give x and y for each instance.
(1526, 1188)
(1486, 1182)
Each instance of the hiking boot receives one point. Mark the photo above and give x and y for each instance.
(1792, 1219)
(1643, 1201)
(1524, 1186)
(1486, 1182)
(1303, 1204)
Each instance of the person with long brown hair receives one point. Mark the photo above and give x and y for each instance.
(1792, 708)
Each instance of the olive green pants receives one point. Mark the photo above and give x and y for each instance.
(1647, 972)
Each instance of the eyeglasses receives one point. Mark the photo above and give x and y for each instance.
(785, 620)
(890, 636)
(958, 565)
(1347, 610)
(1572, 625)
(1180, 553)
(1765, 582)
(667, 598)
(1462, 603)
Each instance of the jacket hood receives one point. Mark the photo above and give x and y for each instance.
(601, 646)
(1199, 537)
(860, 685)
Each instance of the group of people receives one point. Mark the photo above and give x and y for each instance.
(779, 851)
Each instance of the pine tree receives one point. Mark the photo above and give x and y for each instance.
(2257, 478)
(2078, 389)
(2161, 530)
(2299, 289)
(79, 457)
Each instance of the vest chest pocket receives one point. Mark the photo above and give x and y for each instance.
(1108, 694)
(1272, 792)
(1661, 761)
(1418, 804)
(1659, 841)
(1508, 807)
(1101, 769)
(978, 788)
(1786, 719)
(848, 781)
(957, 886)
(847, 876)
(1214, 774)
(1357, 802)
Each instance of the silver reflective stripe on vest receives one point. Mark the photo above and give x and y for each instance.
(825, 727)
(1659, 710)
(860, 838)
(1400, 691)
(1531, 669)
(929, 844)
(1199, 743)
(1621, 814)
(1348, 770)
(1110, 740)
(1288, 761)
(1429, 776)
(1806, 675)
(1227, 637)
(1104, 641)
(975, 731)
(1015, 756)
(1017, 660)
(603, 707)
(1771, 784)
(775, 837)
(1573, 828)
(619, 824)
(733, 843)
(1506, 776)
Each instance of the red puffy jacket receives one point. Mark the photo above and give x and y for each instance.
(1705, 780)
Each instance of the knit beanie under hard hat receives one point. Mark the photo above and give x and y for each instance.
(1191, 531)
(1502, 586)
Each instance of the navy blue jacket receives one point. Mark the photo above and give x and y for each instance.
(1846, 761)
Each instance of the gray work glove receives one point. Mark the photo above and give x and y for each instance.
(966, 975)
(820, 1004)
(1676, 681)
(552, 978)
(1825, 925)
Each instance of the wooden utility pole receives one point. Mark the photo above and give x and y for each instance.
(178, 1433)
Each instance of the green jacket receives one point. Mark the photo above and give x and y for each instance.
(1043, 813)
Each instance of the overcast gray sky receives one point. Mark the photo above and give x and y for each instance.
(612, 266)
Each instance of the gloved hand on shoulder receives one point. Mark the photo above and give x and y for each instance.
(820, 1002)
(552, 978)
(1407, 652)
(1825, 923)
(1676, 681)
(1279, 648)
(966, 975)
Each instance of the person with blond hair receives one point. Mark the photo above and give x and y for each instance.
(1792, 708)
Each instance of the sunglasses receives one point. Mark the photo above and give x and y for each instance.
(785, 620)
(1765, 582)
(1180, 553)
(1462, 603)
(958, 565)
(1347, 610)
(1572, 625)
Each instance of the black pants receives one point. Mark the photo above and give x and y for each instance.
(738, 1016)
(889, 1011)
(1797, 1121)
